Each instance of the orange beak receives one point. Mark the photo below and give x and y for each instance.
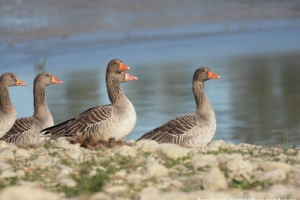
(56, 80)
(129, 77)
(212, 75)
(20, 83)
(123, 67)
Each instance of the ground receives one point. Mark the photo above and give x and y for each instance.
(147, 170)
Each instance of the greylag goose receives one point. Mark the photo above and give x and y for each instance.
(194, 128)
(8, 113)
(115, 120)
(26, 130)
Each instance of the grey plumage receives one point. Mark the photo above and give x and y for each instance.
(194, 128)
(115, 120)
(8, 113)
(25, 131)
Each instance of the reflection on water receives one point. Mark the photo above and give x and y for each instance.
(266, 100)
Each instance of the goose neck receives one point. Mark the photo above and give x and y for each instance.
(5, 102)
(114, 90)
(40, 101)
(202, 102)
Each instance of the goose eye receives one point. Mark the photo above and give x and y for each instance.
(12, 76)
(47, 75)
(204, 70)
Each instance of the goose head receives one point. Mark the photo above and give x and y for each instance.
(46, 78)
(116, 66)
(10, 79)
(203, 74)
(124, 77)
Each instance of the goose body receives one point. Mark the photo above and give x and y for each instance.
(25, 131)
(8, 113)
(115, 120)
(194, 128)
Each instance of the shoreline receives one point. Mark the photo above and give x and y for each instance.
(147, 170)
(23, 19)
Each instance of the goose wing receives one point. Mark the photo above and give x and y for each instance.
(173, 131)
(80, 125)
(20, 127)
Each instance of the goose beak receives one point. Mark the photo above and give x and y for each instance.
(123, 67)
(212, 75)
(56, 80)
(129, 77)
(20, 83)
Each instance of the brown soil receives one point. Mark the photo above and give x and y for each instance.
(91, 144)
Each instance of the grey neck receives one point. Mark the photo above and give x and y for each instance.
(40, 102)
(202, 103)
(5, 102)
(114, 90)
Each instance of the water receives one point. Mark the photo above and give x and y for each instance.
(256, 100)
